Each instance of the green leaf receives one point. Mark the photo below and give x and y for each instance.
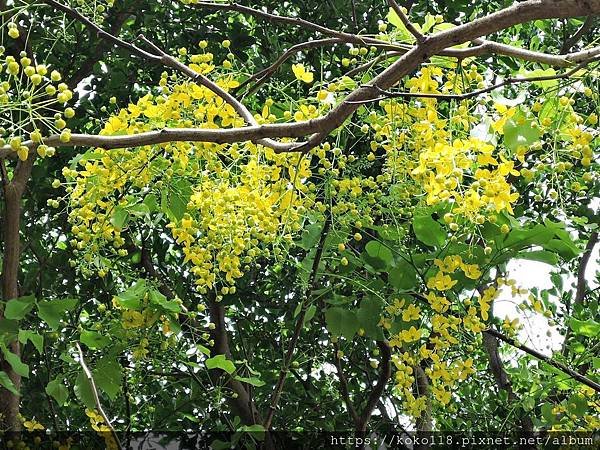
(58, 391)
(15, 362)
(566, 250)
(577, 405)
(429, 231)
(311, 236)
(368, 316)
(546, 84)
(174, 201)
(160, 300)
(9, 329)
(18, 308)
(36, 339)
(520, 131)
(53, 311)
(83, 391)
(310, 313)
(589, 328)
(93, 339)
(119, 218)
(252, 380)
(341, 322)
(7, 383)
(523, 237)
(132, 297)
(108, 376)
(539, 255)
(220, 362)
(379, 251)
(429, 23)
(404, 276)
(403, 35)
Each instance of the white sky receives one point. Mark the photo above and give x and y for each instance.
(529, 274)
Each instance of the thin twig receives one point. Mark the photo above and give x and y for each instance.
(467, 95)
(406, 21)
(264, 74)
(90, 377)
(297, 21)
(287, 360)
(587, 25)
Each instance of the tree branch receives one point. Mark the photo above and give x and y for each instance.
(406, 21)
(589, 23)
(296, 21)
(90, 377)
(287, 360)
(385, 372)
(581, 286)
(240, 403)
(344, 386)
(575, 375)
(467, 95)
(322, 126)
(264, 74)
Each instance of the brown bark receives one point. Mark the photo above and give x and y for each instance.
(241, 403)
(13, 192)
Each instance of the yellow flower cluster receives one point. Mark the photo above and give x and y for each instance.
(236, 202)
(36, 92)
(100, 427)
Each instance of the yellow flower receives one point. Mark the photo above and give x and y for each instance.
(302, 74)
(32, 425)
(411, 313)
(132, 319)
(449, 264)
(410, 335)
(471, 271)
(441, 282)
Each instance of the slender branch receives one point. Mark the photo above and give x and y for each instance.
(424, 421)
(467, 95)
(575, 375)
(491, 347)
(264, 74)
(385, 372)
(241, 403)
(74, 14)
(587, 25)
(406, 21)
(287, 360)
(297, 21)
(581, 286)
(585, 259)
(344, 386)
(90, 377)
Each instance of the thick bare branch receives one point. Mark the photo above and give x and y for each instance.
(322, 126)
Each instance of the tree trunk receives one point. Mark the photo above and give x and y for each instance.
(13, 193)
(9, 402)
